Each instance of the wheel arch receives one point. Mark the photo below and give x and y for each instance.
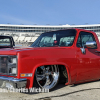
(51, 63)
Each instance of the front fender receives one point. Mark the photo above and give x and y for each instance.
(51, 63)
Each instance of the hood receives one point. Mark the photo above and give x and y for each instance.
(13, 51)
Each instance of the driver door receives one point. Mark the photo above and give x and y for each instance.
(88, 63)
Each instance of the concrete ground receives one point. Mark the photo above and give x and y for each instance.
(86, 91)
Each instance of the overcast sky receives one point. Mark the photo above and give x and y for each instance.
(53, 12)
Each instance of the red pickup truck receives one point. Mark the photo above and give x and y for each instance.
(71, 56)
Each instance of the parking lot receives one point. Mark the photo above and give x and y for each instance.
(86, 91)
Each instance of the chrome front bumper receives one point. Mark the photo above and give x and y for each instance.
(9, 82)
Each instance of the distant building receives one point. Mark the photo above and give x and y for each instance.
(29, 33)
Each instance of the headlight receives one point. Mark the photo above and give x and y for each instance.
(14, 60)
(12, 65)
(13, 70)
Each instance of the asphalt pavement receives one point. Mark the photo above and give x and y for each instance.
(86, 91)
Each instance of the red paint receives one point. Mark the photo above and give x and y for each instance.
(80, 67)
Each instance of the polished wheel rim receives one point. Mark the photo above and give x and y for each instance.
(47, 76)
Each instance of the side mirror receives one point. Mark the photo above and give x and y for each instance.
(88, 45)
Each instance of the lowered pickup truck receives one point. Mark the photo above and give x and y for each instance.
(71, 56)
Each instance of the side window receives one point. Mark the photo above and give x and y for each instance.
(66, 41)
(83, 38)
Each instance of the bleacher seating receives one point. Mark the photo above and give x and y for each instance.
(33, 39)
(21, 39)
(15, 38)
(8, 34)
(36, 35)
(28, 39)
(1, 33)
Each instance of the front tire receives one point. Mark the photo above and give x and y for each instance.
(46, 77)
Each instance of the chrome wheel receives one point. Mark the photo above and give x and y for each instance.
(47, 76)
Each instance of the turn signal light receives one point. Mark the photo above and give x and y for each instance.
(26, 75)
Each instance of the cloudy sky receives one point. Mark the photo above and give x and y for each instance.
(53, 12)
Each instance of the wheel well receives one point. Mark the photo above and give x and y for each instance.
(63, 74)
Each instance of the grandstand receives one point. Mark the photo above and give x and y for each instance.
(27, 34)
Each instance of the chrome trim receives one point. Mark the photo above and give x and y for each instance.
(17, 83)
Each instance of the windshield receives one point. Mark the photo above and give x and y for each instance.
(55, 38)
(5, 41)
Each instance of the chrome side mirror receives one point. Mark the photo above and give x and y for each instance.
(88, 45)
